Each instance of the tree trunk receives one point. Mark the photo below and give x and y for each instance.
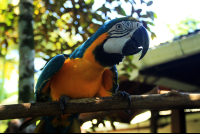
(26, 52)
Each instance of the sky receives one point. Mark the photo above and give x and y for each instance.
(167, 11)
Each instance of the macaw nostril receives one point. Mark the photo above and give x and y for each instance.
(140, 47)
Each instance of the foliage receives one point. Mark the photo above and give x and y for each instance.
(3, 125)
(184, 26)
(8, 37)
(61, 26)
(7, 67)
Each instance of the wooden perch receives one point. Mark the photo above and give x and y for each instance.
(171, 100)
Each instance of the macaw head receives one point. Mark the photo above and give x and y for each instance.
(118, 38)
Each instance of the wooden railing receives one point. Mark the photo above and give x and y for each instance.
(171, 100)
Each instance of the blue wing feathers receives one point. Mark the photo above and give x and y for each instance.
(49, 70)
(115, 78)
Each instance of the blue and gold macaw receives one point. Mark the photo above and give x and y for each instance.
(90, 70)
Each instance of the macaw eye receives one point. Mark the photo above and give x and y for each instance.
(119, 27)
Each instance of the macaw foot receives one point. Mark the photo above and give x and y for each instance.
(59, 117)
(127, 98)
(128, 112)
(63, 101)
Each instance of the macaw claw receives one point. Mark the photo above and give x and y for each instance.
(126, 97)
(63, 101)
(128, 112)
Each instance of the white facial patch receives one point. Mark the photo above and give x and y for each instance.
(119, 34)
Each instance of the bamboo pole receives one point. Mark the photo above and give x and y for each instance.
(170, 100)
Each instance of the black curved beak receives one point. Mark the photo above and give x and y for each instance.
(139, 41)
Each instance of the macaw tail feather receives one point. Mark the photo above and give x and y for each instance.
(40, 127)
(28, 122)
(62, 124)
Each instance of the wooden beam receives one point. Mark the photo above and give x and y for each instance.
(178, 121)
(171, 100)
(154, 119)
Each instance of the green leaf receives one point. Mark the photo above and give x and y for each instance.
(129, 69)
(120, 10)
(150, 14)
(153, 35)
(155, 16)
(110, 1)
(130, 57)
(144, 24)
(142, 1)
(148, 29)
(104, 9)
(149, 3)
(10, 16)
(144, 16)
(150, 23)
(138, 12)
(89, 2)
(9, 23)
(4, 4)
(98, 17)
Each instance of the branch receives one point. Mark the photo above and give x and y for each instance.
(171, 100)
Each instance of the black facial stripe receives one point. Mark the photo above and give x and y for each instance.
(114, 35)
(119, 36)
(120, 32)
(128, 25)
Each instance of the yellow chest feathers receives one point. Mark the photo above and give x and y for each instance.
(77, 78)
